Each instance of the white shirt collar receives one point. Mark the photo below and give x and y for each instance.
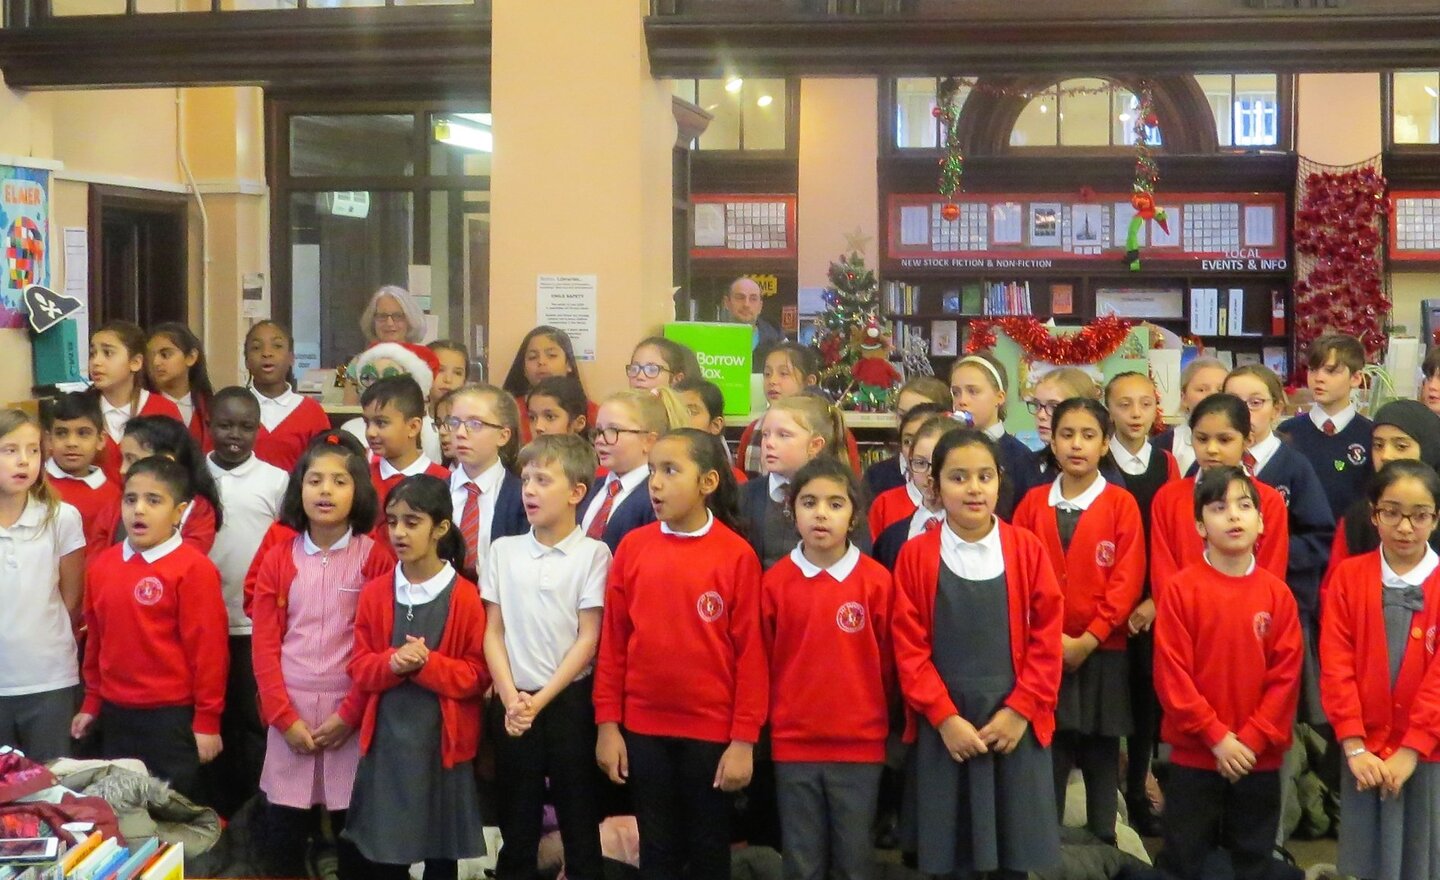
(977, 560)
(239, 471)
(31, 515)
(565, 546)
(95, 479)
(921, 517)
(777, 487)
(154, 554)
(1133, 463)
(1412, 578)
(419, 594)
(630, 480)
(489, 479)
(1249, 571)
(698, 533)
(1341, 419)
(418, 466)
(283, 399)
(313, 549)
(916, 498)
(995, 431)
(1081, 501)
(840, 570)
(1264, 451)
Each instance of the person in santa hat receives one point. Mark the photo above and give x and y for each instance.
(385, 359)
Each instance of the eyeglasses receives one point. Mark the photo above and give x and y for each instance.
(612, 435)
(474, 426)
(1036, 407)
(649, 371)
(390, 317)
(920, 465)
(1423, 518)
(1258, 403)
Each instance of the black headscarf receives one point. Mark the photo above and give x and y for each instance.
(1422, 426)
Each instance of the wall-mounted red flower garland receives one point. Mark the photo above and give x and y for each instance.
(1093, 343)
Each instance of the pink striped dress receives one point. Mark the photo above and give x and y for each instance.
(314, 652)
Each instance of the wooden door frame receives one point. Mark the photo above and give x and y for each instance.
(103, 197)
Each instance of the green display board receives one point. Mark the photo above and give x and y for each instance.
(724, 352)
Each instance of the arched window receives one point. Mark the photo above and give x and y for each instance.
(1085, 112)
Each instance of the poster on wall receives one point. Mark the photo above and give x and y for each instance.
(24, 225)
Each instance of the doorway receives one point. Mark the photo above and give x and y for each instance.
(139, 242)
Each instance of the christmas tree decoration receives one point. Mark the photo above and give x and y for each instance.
(849, 336)
(952, 164)
(1093, 343)
(1147, 176)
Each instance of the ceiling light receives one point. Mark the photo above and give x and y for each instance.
(467, 137)
(733, 84)
(764, 100)
(1044, 109)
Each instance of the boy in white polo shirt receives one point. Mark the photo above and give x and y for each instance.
(544, 591)
(251, 492)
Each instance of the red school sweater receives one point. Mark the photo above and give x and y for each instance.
(681, 652)
(93, 502)
(1037, 615)
(1227, 660)
(1355, 665)
(271, 618)
(831, 662)
(151, 404)
(888, 508)
(1104, 570)
(158, 634)
(1175, 543)
(384, 485)
(456, 671)
(283, 446)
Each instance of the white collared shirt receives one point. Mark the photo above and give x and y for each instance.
(1079, 502)
(489, 482)
(418, 466)
(37, 644)
(916, 497)
(1132, 463)
(995, 431)
(1248, 571)
(185, 404)
(839, 570)
(418, 594)
(976, 561)
(251, 494)
(1412, 578)
(539, 592)
(698, 533)
(1183, 448)
(921, 517)
(1341, 419)
(313, 549)
(777, 487)
(116, 417)
(1264, 451)
(274, 410)
(154, 554)
(628, 483)
(95, 479)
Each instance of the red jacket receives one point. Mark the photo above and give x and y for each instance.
(1036, 617)
(109, 459)
(1355, 665)
(1227, 660)
(271, 619)
(94, 506)
(199, 426)
(455, 672)
(681, 652)
(1176, 543)
(277, 533)
(198, 529)
(1104, 571)
(831, 662)
(751, 434)
(888, 508)
(283, 446)
(158, 634)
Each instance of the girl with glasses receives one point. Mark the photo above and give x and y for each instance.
(658, 362)
(626, 429)
(484, 431)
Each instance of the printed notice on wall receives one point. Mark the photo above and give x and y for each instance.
(567, 302)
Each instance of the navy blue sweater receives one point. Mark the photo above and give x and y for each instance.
(884, 475)
(1342, 461)
(1022, 470)
(632, 513)
(1312, 527)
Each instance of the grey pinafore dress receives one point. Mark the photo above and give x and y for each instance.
(1094, 699)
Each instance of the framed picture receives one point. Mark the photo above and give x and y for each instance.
(1088, 224)
(1045, 224)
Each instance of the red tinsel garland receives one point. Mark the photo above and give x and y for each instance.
(1096, 341)
(1338, 224)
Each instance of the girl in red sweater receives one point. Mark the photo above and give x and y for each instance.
(117, 372)
(419, 659)
(1381, 685)
(1092, 532)
(977, 626)
(825, 615)
(288, 420)
(175, 363)
(681, 685)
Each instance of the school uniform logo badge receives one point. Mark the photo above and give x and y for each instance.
(1105, 554)
(149, 591)
(851, 617)
(1356, 453)
(1261, 624)
(710, 606)
(1284, 493)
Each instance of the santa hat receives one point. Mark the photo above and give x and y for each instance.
(417, 360)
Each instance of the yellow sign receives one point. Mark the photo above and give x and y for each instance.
(769, 284)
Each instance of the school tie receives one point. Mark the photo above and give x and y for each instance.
(602, 516)
(1329, 428)
(470, 525)
(932, 524)
(1249, 461)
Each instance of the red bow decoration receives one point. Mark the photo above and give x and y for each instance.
(1094, 343)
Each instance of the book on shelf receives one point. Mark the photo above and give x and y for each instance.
(950, 302)
(972, 298)
(1276, 358)
(1009, 298)
(1235, 311)
(944, 338)
(1062, 299)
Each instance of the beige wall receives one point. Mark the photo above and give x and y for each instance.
(1338, 117)
(838, 180)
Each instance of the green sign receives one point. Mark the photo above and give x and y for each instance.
(724, 352)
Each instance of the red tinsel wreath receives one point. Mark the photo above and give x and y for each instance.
(1096, 341)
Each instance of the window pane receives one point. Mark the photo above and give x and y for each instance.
(915, 125)
(1417, 107)
(87, 7)
(684, 89)
(1036, 125)
(1085, 119)
(1256, 110)
(764, 112)
(460, 143)
(722, 100)
(352, 144)
(1216, 87)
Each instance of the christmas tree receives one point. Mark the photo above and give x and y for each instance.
(855, 352)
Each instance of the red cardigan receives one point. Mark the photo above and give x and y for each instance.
(271, 618)
(1175, 542)
(455, 672)
(284, 446)
(109, 459)
(1355, 665)
(1036, 616)
(1104, 571)
(276, 534)
(888, 508)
